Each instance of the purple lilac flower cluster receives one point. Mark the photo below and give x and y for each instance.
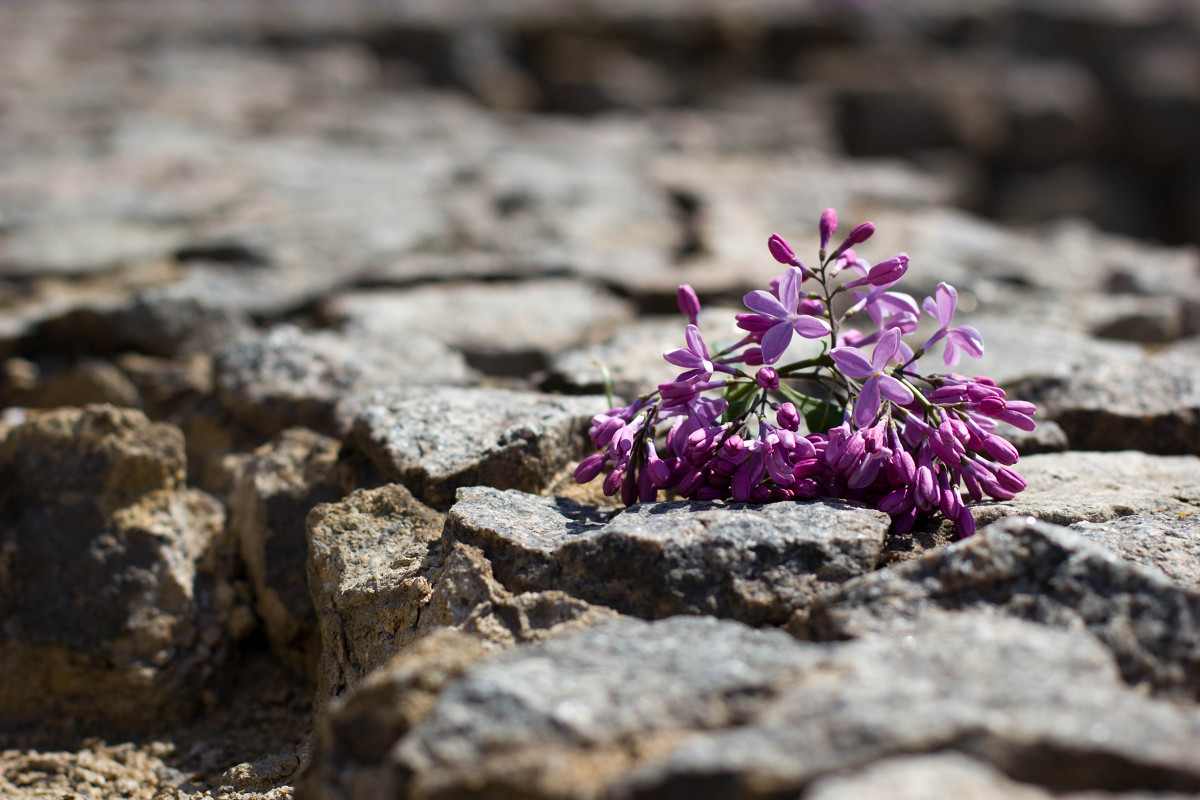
(847, 423)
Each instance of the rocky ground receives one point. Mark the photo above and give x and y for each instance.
(301, 308)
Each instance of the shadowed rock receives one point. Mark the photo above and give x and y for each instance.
(115, 580)
(752, 563)
(1035, 571)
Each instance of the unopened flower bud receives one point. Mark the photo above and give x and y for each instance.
(781, 251)
(889, 271)
(858, 235)
(753, 356)
(787, 416)
(589, 468)
(828, 226)
(1000, 449)
(613, 481)
(767, 378)
(689, 303)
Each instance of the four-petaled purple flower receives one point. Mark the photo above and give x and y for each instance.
(855, 364)
(785, 311)
(963, 337)
(694, 358)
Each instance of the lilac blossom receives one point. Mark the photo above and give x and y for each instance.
(788, 320)
(878, 432)
(854, 363)
(963, 338)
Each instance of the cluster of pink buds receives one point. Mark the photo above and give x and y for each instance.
(848, 424)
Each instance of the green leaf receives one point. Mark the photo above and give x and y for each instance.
(824, 416)
(740, 397)
(802, 401)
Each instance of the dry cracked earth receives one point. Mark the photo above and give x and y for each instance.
(301, 307)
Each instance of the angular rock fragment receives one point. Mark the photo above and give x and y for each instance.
(291, 378)
(275, 488)
(503, 328)
(1036, 571)
(1167, 542)
(704, 708)
(467, 597)
(371, 561)
(752, 563)
(1149, 404)
(439, 440)
(1075, 486)
(115, 579)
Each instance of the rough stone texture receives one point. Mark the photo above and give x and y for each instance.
(752, 563)
(275, 488)
(1035, 571)
(467, 597)
(289, 377)
(371, 561)
(1168, 542)
(1150, 404)
(704, 708)
(114, 578)
(503, 328)
(435, 442)
(1064, 488)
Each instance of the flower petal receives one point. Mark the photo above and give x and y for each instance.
(695, 341)
(885, 351)
(947, 303)
(867, 404)
(789, 289)
(683, 358)
(765, 303)
(810, 327)
(852, 361)
(968, 339)
(775, 342)
(894, 390)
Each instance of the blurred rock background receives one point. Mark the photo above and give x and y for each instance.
(257, 257)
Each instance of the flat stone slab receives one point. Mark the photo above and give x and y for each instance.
(289, 377)
(1080, 486)
(1167, 542)
(1036, 571)
(752, 563)
(438, 440)
(1144, 403)
(503, 328)
(699, 707)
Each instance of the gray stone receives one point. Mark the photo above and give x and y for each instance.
(924, 777)
(274, 489)
(704, 708)
(1150, 403)
(467, 597)
(1168, 542)
(502, 328)
(291, 378)
(115, 579)
(634, 356)
(1075, 486)
(1002, 691)
(438, 440)
(82, 246)
(371, 560)
(752, 563)
(1036, 571)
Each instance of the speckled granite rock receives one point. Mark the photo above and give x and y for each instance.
(716, 709)
(1035, 571)
(115, 579)
(371, 561)
(436, 441)
(276, 486)
(1167, 542)
(752, 563)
